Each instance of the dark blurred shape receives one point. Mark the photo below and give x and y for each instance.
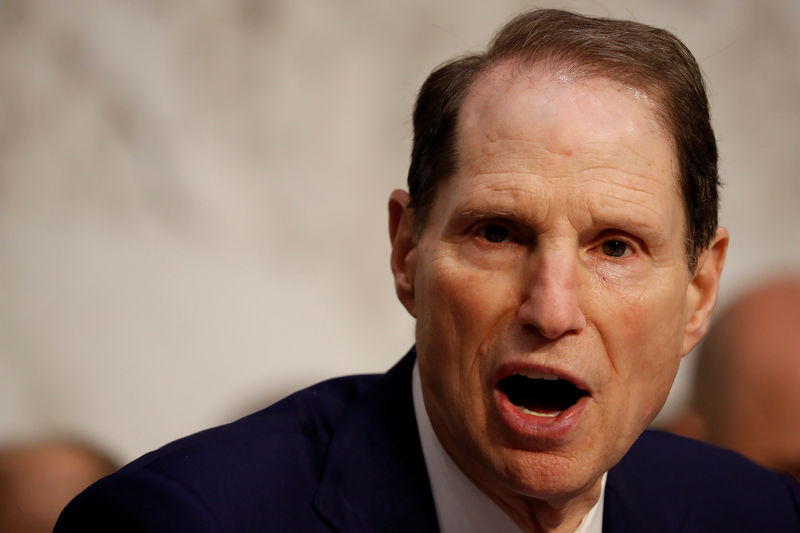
(37, 480)
(746, 393)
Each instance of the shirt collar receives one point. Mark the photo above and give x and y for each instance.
(460, 505)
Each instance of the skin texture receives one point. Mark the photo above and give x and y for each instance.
(519, 267)
(753, 410)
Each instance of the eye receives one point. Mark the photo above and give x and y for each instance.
(615, 248)
(495, 233)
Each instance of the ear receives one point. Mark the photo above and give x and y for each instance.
(701, 295)
(404, 249)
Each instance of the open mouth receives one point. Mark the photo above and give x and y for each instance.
(539, 394)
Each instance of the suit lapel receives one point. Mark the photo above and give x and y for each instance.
(620, 511)
(374, 477)
(640, 497)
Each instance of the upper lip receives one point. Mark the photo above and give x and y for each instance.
(530, 368)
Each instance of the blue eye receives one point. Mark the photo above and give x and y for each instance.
(614, 248)
(495, 233)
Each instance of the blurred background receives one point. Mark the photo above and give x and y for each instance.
(193, 194)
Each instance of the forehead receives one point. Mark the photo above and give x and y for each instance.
(520, 120)
(510, 101)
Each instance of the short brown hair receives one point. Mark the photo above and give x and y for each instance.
(649, 59)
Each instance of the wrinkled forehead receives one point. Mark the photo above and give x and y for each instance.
(560, 111)
(545, 87)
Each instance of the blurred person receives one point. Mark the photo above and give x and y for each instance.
(745, 389)
(558, 247)
(37, 480)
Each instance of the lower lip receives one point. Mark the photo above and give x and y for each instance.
(539, 430)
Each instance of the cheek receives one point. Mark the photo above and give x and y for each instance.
(461, 314)
(646, 316)
(463, 304)
(646, 351)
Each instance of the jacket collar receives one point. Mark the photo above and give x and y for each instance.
(641, 494)
(374, 478)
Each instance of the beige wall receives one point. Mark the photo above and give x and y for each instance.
(192, 194)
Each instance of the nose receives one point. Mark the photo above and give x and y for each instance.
(551, 300)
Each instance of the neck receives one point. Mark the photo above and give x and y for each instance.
(541, 516)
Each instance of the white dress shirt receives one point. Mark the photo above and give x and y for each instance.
(461, 507)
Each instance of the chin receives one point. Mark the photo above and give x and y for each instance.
(546, 476)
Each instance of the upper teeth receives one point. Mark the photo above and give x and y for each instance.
(537, 375)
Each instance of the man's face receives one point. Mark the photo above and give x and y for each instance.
(556, 251)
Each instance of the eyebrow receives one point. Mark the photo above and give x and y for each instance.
(500, 204)
(485, 212)
(629, 220)
(464, 216)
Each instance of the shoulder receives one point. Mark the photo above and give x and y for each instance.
(667, 477)
(303, 421)
(299, 426)
(239, 472)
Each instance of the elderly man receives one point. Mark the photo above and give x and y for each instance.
(559, 249)
(748, 374)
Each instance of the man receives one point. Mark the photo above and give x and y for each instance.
(559, 249)
(748, 374)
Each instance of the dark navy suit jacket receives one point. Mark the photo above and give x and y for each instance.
(344, 455)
